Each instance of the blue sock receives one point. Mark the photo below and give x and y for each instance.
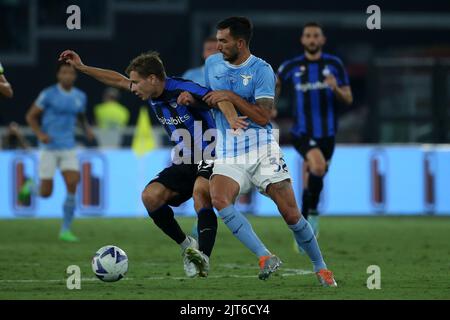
(241, 228)
(306, 240)
(69, 209)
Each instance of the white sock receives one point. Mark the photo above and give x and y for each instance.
(186, 243)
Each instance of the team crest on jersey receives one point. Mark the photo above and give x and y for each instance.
(312, 143)
(302, 69)
(245, 79)
(173, 104)
(326, 71)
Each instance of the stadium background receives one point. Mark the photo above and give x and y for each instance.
(392, 157)
(400, 84)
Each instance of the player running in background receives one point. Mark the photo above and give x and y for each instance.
(177, 111)
(53, 117)
(318, 79)
(198, 74)
(5, 87)
(248, 82)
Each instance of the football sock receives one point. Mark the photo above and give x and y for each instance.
(241, 228)
(305, 203)
(306, 240)
(315, 186)
(185, 243)
(207, 230)
(165, 220)
(69, 210)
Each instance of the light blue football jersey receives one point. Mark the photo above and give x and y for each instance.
(60, 112)
(196, 75)
(254, 79)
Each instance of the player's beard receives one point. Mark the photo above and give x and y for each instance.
(67, 85)
(313, 50)
(232, 57)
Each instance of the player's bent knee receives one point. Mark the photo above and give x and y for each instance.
(318, 170)
(45, 193)
(201, 198)
(151, 199)
(220, 202)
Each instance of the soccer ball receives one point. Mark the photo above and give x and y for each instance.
(110, 263)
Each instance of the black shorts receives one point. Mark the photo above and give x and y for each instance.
(181, 179)
(305, 143)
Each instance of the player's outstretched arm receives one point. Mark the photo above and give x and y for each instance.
(108, 77)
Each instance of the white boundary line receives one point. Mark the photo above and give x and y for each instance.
(286, 273)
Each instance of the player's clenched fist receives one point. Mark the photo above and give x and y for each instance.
(71, 57)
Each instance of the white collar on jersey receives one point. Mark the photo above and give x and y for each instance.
(243, 64)
(64, 90)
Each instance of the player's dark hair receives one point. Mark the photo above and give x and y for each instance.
(312, 24)
(240, 27)
(61, 64)
(146, 64)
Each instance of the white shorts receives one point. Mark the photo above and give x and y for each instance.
(65, 160)
(266, 169)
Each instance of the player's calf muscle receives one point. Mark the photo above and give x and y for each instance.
(282, 194)
(202, 199)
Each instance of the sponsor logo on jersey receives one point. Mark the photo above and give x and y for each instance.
(311, 86)
(173, 104)
(173, 120)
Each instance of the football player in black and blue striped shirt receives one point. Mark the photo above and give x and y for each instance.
(319, 81)
(178, 105)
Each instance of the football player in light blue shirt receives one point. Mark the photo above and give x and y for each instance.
(60, 107)
(248, 83)
(198, 74)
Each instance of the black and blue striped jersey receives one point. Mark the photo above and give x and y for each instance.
(180, 119)
(315, 103)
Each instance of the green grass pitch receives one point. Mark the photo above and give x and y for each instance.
(412, 252)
